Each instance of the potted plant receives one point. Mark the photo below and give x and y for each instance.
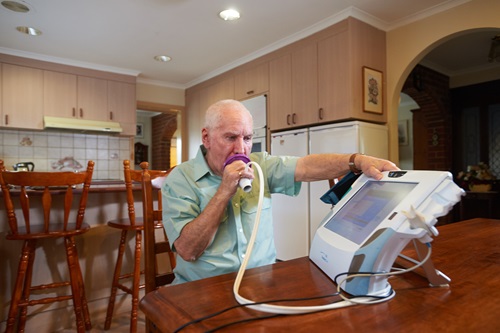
(477, 178)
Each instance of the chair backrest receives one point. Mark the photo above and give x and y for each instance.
(131, 177)
(151, 191)
(47, 183)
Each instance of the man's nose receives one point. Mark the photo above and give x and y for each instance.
(239, 146)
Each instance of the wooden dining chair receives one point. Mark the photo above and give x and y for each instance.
(159, 257)
(129, 282)
(19, 193)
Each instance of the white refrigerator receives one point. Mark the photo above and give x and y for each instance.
(258, 108)
(289, 213)
(296, 219)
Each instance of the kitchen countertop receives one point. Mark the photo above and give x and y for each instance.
(98, 186)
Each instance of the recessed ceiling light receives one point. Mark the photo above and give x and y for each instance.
(16, 6)
(229, 15)
(162, 58)
(29, 31)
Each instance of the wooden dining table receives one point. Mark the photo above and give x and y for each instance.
(468, 252)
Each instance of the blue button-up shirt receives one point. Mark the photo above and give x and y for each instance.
(190, 187)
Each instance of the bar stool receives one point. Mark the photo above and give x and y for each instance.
(25, 185)
(131, 224)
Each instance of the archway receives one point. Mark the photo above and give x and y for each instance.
(430, 123)
(407, 46)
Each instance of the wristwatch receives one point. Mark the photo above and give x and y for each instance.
(352, 166)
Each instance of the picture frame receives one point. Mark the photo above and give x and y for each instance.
(373, 89)
(139, 132)
(403, 132)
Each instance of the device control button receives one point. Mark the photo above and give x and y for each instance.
(396, 174)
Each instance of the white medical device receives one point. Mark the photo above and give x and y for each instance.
(367, 229)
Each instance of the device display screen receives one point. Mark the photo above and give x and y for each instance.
(368, 208)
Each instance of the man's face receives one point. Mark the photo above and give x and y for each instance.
(233, 136)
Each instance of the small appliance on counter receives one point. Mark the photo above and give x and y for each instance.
(24, 166)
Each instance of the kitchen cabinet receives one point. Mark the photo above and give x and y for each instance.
(316, 80)
(334, 90)
(22, 97)
(251, 82)
(92, 98)
(280, 88)
(122, 106)
(304, 85)
(82, 97)
(59, 94)
(325, 75)
(34, 89)
(73, 96)
(197, 104)
(293, 92)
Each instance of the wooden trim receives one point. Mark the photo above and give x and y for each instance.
(51, 66)
(158, 107)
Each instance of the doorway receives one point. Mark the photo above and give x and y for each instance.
(161, 133)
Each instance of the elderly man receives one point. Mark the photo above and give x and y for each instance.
(209, 219)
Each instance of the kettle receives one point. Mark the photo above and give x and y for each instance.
(24, 166)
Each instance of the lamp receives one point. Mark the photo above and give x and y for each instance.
(494, 54)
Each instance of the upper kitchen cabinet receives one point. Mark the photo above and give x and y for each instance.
(92, 98)
(251, 82)
(59, 94)
(304, 85)
(316, 80)
(325, 75)
(341, 58)
(293, 93)
(198, 99)
(333, 90)
(73, 96)
(280, 87)
(22, 97)
(122, 106)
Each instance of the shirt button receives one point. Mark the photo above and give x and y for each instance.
(243, 255)
(236, 205)
(241, 230)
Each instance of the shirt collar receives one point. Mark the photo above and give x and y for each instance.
(201, 167)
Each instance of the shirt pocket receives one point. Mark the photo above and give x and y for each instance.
(250, 204)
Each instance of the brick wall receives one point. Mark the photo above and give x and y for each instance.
(431, 92)
(163, 128)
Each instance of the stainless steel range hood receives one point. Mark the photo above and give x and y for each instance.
(81, 124)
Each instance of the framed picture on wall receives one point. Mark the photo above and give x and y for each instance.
(372, 90)
(139, 133)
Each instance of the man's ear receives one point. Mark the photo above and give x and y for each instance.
(204, 137)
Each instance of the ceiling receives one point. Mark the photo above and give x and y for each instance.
(124, 35)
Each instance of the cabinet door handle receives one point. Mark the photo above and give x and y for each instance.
(74, 112)
(294, 118)
(81, 113)
(250, 92)
(6, 119)
(110, 115)
(288, 119)
(320, 113)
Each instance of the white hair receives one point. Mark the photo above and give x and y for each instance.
(216, 112)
